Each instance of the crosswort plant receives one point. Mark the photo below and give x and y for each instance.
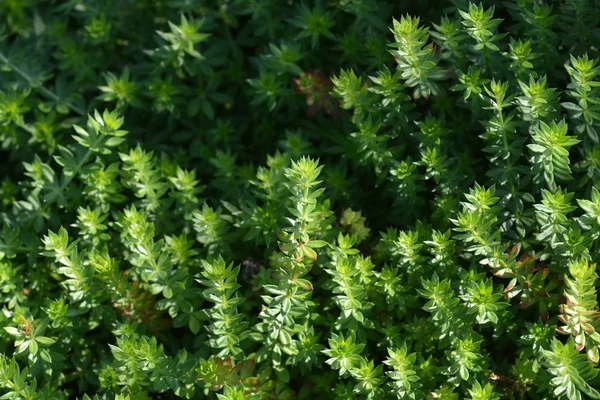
(332, 199)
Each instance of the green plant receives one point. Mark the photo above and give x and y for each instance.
(354, 199)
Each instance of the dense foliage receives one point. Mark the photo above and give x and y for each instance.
(338, 199)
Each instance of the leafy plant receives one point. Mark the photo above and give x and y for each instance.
(248, 199)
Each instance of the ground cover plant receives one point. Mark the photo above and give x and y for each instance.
(345, 199)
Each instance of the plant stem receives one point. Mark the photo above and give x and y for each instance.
(39, 88)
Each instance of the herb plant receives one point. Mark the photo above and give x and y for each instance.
(248, 199)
